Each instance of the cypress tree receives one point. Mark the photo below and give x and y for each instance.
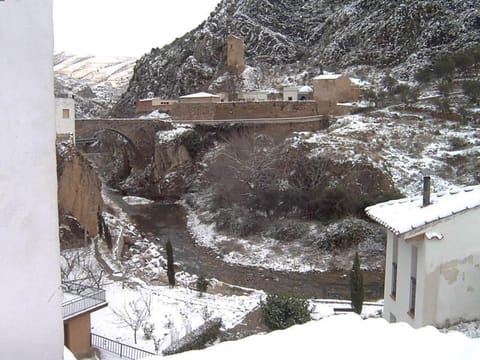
(356, 286)
(170, 265)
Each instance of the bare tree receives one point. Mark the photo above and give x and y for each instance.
(247, 165)
(133, 315)
(147, 302)
(79, 268)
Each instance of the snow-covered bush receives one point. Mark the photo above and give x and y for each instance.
(281, 312)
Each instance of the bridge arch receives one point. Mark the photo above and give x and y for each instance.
(138, 155)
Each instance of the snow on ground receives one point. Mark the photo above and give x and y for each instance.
(170, 135)
(273, 254)
(136, 200)
(156, 115)
(174, 312)
(267, 252)
(345, 337)
(402, 144)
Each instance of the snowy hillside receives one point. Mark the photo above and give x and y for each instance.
(96, 82)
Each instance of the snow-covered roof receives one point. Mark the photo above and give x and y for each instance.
(403, 215)
(305, 89)
(199, 95)
(343, 337)
(328, 77)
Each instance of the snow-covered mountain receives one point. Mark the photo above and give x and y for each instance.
(291, 41)
(96, 82)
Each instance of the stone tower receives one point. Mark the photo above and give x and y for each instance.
(235, 54)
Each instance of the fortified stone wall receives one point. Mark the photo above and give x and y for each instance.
(270, 109)
(246, 110)
(189, 111)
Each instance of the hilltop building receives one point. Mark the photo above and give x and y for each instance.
(235, 54)
(65, 117)
(200, 97)
(331, 89)
(432, 271)
(297, 93)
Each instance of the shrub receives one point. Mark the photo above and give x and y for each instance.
(444, 67)
(406, 93)
(471, 88)
(201, 285)
(445, 88)
(424, 75)
(192, 142)
(457, 143)
(170, 264)
(281, 312)
(356, 286)
(148, 329)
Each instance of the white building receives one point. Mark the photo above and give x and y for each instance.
(255, 95)
(297, 93)
(65, 117)
(432, 271)
(31, 321)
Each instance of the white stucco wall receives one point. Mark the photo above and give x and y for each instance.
(65, 125)
(399, 305)
(290, 92)
(448, 273)
(31, 322)
(453, 270)
(254, 96)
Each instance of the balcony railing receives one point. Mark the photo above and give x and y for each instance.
(86, 299)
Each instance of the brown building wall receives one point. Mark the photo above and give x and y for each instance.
(143, 106)
(334, 90)
(268, 109)
(198, 111)
(77, 335)
(235, 54)
(196, 100)
(245, 110)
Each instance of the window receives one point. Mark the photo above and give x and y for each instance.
(393, 290)
(413, 281)
(66, 113)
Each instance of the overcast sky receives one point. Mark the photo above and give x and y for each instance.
(124, 27)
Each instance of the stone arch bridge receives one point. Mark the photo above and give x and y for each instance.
(139, 133)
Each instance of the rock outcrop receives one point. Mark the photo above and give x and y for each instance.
(79, 191)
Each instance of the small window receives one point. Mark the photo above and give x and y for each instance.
(290, 98)
(393, 290)
(66, 113)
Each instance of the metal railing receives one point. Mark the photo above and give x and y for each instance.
(115, 347)
(87, 298)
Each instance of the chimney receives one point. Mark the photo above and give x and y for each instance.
(426, 190)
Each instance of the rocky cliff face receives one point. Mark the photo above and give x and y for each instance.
(291, 41)
(79, 194)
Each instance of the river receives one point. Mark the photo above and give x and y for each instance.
(168, 222)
